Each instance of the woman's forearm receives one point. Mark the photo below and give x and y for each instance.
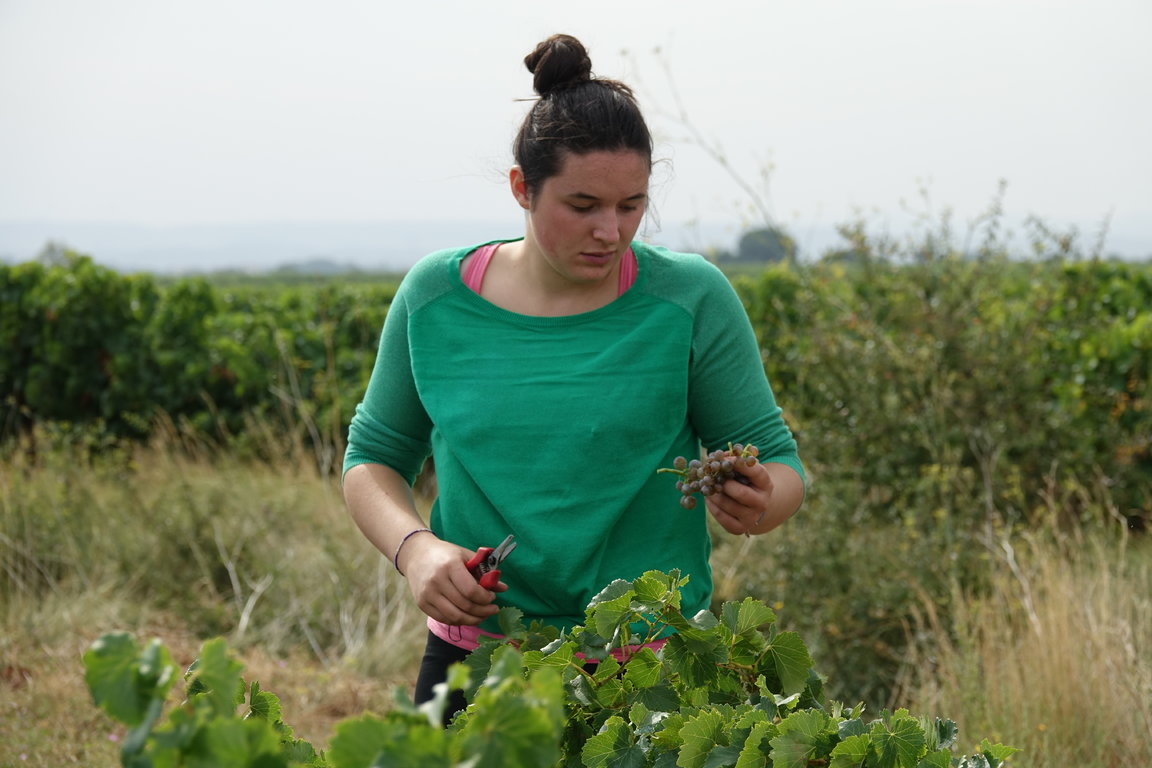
(382, 506)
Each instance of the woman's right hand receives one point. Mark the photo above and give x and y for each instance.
(441, 584)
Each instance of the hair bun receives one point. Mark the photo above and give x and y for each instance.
(558, 62)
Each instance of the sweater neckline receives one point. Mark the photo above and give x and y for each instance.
(621, 302)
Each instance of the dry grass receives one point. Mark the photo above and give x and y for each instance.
(48, 719)
(1056, 660)
(165, 544)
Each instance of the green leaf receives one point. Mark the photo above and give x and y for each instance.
(704, 620)
(644, 669)
(693, 656)
(369, 741)
(973, 761)
(511, 621)
(645, 721)
(722, 757)
(655, 592)
(234, 743)
(673, 618)
(942, 734)
(699, 734)
(581, 693)
(613, 747)
(791, 660)
(357, 741)
(746, 617)
(123, 680)
(939, 759)
(614, 590)
(264, 705)
(609, 615)
(561, 656)
(757, 747)
(606, 669)
(479, 662)
(850, 752)
(515, 721)
(899, 742)
(610, 693)
(415, 746)
(800, 738)
(668, 737)
(996, 753)
(748, 648)
(459, 676)
(661, 697)
(217, 678)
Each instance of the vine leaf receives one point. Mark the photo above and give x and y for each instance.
(700, 734)
(792, 661)
(801, 734)
(613, 747)
(899, 743)
(941, 758)
(850, 752)
(757, 745)
(747, 616)
(644, 669)
(123, 680)
(368, 740)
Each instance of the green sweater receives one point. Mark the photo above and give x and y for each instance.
(552, 428)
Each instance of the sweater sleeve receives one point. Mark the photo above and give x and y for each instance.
(730, 398)
(390, 425)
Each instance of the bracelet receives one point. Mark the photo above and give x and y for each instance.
(747, 533)
(410, 534)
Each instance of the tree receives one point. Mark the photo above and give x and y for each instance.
(765, 244)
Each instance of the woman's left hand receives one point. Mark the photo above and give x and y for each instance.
(773, 494)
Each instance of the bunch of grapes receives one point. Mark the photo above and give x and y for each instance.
(705, 476)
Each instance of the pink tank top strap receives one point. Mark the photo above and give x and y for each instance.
(627, 271)
(473, 275)
(474, 270)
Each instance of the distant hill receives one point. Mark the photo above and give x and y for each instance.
(318, 266)
(300, 247)
(249, 247)
(332, 248)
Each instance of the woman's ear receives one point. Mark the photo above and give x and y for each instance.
(519, 187)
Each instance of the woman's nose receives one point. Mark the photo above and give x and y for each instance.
(607, 227)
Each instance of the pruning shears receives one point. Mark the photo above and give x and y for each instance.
(485, 564)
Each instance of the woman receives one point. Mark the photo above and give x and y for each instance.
(550, 376)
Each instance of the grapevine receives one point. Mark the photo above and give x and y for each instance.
(707, 476)
(729, 688)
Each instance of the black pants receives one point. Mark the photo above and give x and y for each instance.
(438, 656)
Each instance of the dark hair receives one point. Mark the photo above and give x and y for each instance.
(576, 112)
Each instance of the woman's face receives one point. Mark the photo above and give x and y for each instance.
(582, 220)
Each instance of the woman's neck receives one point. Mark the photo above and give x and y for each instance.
(521, 280)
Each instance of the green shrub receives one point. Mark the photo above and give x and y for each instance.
(727, 689)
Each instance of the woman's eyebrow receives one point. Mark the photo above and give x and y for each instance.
(587, 196)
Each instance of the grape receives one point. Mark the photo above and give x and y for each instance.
(707, 476)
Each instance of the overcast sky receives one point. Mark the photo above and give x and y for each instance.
(207, 112)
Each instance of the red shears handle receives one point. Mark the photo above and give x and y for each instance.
(479, 567)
